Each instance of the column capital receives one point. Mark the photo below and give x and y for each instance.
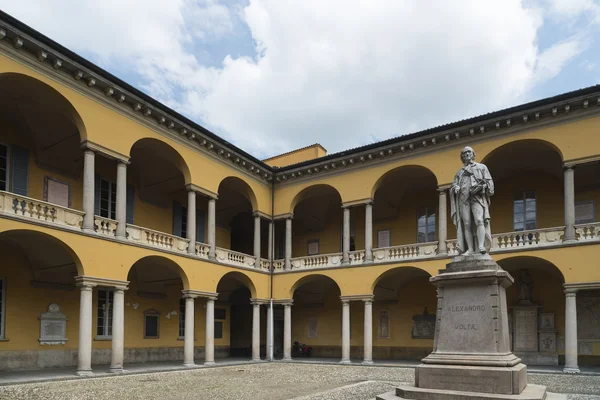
(199, 293)
(570, 292)
(92, 281)
(358, 297)
(283, 216)
(360, 202)
(123, 162)
(568, 167)
(200, 190)
(258, 302)
(86, 145)
(283, 302)
(261, 214)
(443, 189)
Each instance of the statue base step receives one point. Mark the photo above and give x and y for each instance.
(531, 392)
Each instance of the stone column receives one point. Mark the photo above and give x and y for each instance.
(345, 332)
(270, 244)
(191, 221)
(442, 223)
(569, 204)
(88, 190)
(84, 353)
(211, 227)
(368, 334)
(269, 330)
(369, 232)
(188, 333)
(121, 210)
(287, 332)
(288, 243)
(209, 344)
(346, 236)
(255, 331)
(571, 365)
(257, 238)
(118, 330)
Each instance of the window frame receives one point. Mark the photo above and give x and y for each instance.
(152, 313)
(107, 317)
(3, 308)
(313, 241)
(582, 202)
(8, 162)
(47, 179)
(523, 194)
(111, 194)
(427, 215)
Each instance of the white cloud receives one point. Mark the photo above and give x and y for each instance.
(339, 72)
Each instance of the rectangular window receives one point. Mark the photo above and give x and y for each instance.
(218, 329)
(108, 199)
(3, 167)
(181, 317)
(524, 211)
(384, 238)
(220, 313)
(151, 321)
(2, 306)
(585, 212)
(57, 192)
(426, 225)
(105, 310)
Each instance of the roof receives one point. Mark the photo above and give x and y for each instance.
(296, 150)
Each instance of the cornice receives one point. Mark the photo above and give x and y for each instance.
(92, 281)
(574, 287)
(260, 302)
(283, 302)
(578, 161)
(280, 217)
(203, 191)
(199, 293)
(97, 148)
(358, 297)
(52, 63)
(261, 215)
(360, 202)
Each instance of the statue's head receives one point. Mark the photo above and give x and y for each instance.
(467, 155)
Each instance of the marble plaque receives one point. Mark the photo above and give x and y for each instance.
(466, 313)
(384, 324)
(312, 327)
(547, 322)
(53, 326)
(548, 341)
(588, 315)
(423, 325)
(525, 329)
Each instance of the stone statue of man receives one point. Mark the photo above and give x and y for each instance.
(470, 205)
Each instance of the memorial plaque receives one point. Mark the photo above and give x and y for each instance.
(526, 331)
(53, 326)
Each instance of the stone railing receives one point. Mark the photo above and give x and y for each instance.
(32, 209)
(202, 249)
(105, 226)
(356, 257)
(156, 239)
(265, 264)
(527, 239)
(404, 252)
(231, 257)
(279, 265)
(318, 261)
(588, 231)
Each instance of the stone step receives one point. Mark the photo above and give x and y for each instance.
(531, 392)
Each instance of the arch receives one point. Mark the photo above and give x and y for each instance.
(520, 262)
(31, 242)
(312, 191)
(410, 271)
(239, 185)
(242, 278)
(161, 262)
(32, 88)
(417, 172)
(311, 278)
(160, 151)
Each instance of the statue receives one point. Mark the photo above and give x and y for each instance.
(470, 205)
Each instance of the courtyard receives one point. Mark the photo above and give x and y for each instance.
(264, 381)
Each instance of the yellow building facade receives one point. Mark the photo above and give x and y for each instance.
(130, 234)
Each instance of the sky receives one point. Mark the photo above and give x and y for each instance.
(271, 76)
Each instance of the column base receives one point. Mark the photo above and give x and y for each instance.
(345, 362)
(210, 363)
(88, 230)
(256, 359)
(366, 362)
(571, 370)
(567, 241)
(287, 359)
(84, 372)
(116, 370)
(121, 237)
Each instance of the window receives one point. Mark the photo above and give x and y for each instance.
(151, 320)
(108, 199)
(57, 192)
(220, 313)
(524, 211)
(218, 329)
(426, 225)
(181, 317)
(3, 167)
(585, 212)
(384, 238)
(313, 247)
(105, 306)
(2, 305)
(352, 234)
(183, 222)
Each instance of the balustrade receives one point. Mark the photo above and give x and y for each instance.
(356, 257)
(231, 257)
(156, 239)
(105, 226)
(26, 207)
(317, 261)
(588, 231)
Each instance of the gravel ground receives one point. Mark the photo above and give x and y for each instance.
(263, 381)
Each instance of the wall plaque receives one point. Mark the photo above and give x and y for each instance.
(53, 326)
(423, 325)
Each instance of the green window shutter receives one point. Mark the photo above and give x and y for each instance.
(130, 201)
(177, 219)
(200, 225)
(20, 167)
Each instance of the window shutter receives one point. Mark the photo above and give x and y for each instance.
(176, 219)
(130, 201)
(97, 195)
(200, 225)
(20, 166)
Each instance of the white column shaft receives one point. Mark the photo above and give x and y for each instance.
(569, 204)
(84, 354)
(346, 236)
(212, 225)
(368, 334)
(191, 222)
(88, 191)
(269, 332)
(287, 332)
(121, 210)
(345, 332)
(256, 332)
(571, 364)
(288, 244)
(442, 223)
(188, 333)
(209, 345)
(369, 232)
(118, 331)
(257, 238)
(270, 244)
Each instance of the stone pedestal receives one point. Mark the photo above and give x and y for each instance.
(471, 358)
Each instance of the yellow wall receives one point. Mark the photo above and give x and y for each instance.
(297, 156)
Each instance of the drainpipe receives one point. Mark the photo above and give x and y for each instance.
(272, 256)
